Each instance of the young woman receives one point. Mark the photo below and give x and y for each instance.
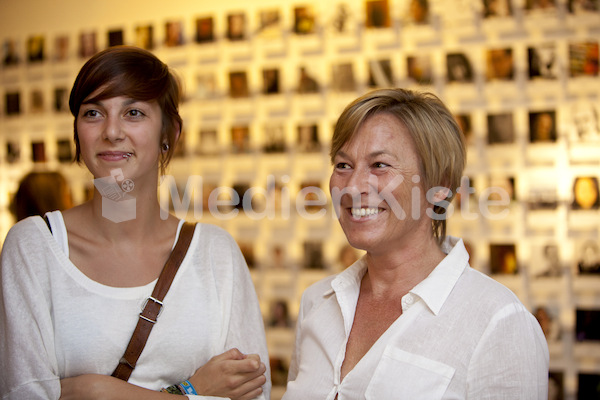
(71, 287)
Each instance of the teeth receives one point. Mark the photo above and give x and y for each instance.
(363, 212)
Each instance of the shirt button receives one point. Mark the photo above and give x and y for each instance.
(408, 300)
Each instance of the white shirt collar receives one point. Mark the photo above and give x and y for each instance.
(433, 290)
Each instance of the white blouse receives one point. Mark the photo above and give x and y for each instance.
(55, 322)
(461, 335)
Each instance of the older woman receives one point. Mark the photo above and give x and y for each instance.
(411, 319)
(71, 287)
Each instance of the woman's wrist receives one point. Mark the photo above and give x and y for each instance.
(182, 388)
(173, 389)
(187, 387)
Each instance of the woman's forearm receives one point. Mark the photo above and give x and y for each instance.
(94, 387)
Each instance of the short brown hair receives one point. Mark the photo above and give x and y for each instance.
(438, 139)
(136, 73)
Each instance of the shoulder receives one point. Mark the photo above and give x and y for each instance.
(212, 232)
(317, 293)
(487, 290)
(28, 224)
(215, 256)
(486, 301)
(213, 237)
(320, 288)
(26, 251)
(214, 246)
(493, 314)
(504, 333)
(26, 232)
(345, 283)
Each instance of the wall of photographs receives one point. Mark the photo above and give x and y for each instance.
(265, 83)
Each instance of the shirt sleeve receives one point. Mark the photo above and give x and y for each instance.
(295, 362)
(511, 359)
(246, 330)
(27, 357)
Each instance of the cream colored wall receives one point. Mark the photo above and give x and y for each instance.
(24, 17)
(531, 165)
(21, 18)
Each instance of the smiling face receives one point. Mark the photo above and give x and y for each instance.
(133, 73)
(379, 171)
(120, 132)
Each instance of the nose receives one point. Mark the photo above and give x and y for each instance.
(113, 131)
(360, 180)
(353, 187)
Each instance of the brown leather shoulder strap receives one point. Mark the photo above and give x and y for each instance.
(153, 304)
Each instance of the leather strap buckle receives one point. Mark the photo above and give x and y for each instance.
(160, 304)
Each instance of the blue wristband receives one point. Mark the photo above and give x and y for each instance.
(187, 388)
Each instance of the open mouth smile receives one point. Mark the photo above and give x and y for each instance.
(365, 212)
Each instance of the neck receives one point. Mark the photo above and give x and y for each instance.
(137, 216)
(396, 272)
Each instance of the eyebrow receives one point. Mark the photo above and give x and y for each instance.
(99, 102)
(373, 154)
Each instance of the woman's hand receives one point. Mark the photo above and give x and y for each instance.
(231, 374)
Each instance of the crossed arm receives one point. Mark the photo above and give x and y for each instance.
(231, 375)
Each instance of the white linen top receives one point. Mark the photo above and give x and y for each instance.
(461, 335)
(55, 322)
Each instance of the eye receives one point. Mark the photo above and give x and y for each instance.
(135, 113)
(91, 113)
(342, 165)
(380, 165)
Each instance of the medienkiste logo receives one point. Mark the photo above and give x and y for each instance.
(225, 203)
(117, 204)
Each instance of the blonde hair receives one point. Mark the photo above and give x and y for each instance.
(438, 138)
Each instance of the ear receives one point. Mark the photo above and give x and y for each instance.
(177, 133)
(441, 194)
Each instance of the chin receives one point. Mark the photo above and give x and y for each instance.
(359, 242)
